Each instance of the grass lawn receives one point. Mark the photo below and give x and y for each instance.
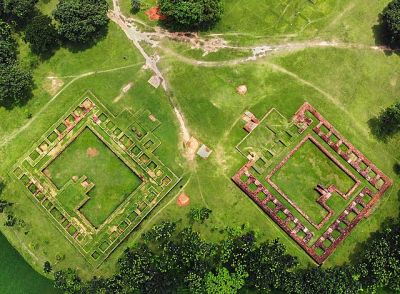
(89, 156)
(307, 168)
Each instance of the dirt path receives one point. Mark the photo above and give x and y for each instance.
(136, 36)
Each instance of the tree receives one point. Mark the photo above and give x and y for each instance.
(81, 21)
(135, 5)
(379, 262)
(8, 45)
(199, 214)
(191, 14)
(41, 34)
(225, 282)
(391, 23)
(387, 123)
(160, 233)
(47, 268)
(17, 10)
(15, 85)
(68, 281)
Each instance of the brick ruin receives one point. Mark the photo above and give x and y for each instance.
(356, 210)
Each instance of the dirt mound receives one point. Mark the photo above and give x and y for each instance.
(92, 152)
(155, 14)
(241, 90)
(191, 147)
(183, 200)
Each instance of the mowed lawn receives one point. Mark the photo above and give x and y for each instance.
(89, 156)
(307, 168)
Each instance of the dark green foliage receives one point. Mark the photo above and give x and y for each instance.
(160, 233)
(8, 46)
(225, 282)
(68, 281)
(338, 280)
(191, 14)
(15, 85)
(391, 23)
(396, 168)
(41, 35)
(10, 221)
(17, 10)
(135, 5)
(81, 21)
(199, 215)
(379, 263)
(47, 268)
(173, 261)
(387, 123)
(4, 204)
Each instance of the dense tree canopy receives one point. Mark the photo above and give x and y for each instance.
(15, 85)
(81, 21)
(391, 23)
(173, 261)
(379, 262)
(17, 10)
(8, 46)
(41, 34)
(191, 14)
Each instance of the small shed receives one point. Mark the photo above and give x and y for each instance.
(204, 152)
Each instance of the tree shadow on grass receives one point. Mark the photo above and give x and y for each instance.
(380, 130)
(382, 39)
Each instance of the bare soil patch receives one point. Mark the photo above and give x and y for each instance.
(191, 148)
(183, 200)
(92, 152)
(155, 14)
(52, 84)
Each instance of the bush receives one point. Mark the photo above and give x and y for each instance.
(391, 23)
(191, 14)
(396, 168)
(135, 5)
(199, 215)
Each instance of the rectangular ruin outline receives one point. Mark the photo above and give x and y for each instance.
(303, 122)
(330, 211)
(33, 180)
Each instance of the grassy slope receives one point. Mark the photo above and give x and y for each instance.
(358, 82)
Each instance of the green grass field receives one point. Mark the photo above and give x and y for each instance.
(348, 86)
(307, 168)
(89, 156)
